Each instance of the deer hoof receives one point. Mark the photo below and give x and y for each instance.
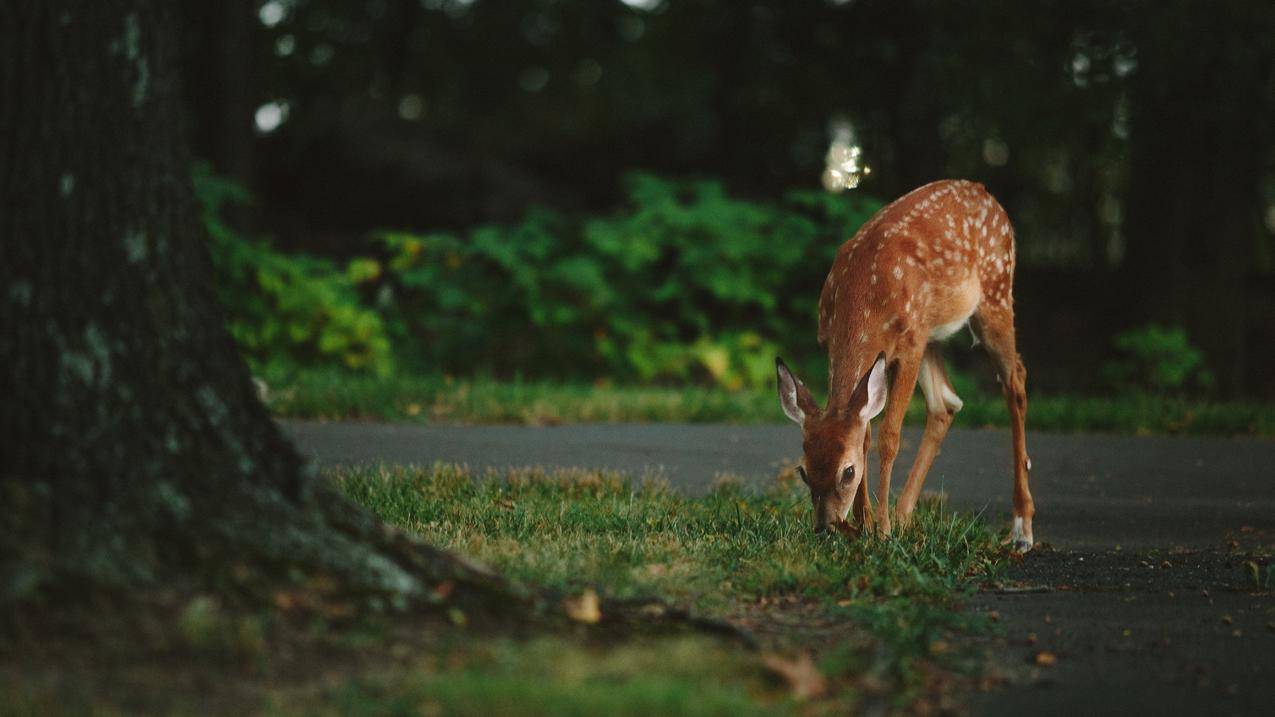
(1018, 540)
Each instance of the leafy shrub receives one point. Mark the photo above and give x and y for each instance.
(683, 283)
(1157, 359)
(288, 311)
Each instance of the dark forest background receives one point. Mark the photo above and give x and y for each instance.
(1131, 142)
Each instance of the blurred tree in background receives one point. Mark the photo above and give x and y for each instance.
(1130, 141)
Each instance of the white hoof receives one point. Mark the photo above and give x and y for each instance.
(1020, 540)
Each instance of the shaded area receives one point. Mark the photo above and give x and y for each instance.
(1155, 631)
(1131, 142)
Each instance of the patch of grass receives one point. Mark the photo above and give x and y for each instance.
(552, 676)
(338, 396)
(843, 625)
(888, 606)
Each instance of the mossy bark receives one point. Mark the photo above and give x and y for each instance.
(135, 450)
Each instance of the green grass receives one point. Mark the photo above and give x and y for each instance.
(872, 621)
(545, 676)
(338, 396)
(888, 607)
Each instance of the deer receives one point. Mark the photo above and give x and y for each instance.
(922, 268)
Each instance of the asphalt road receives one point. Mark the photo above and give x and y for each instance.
(1141, 588)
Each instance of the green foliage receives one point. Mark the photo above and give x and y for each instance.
(685, 283)
(288, 310)
(1157, 359)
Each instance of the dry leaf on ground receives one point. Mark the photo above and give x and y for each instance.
(583, 608)
(801, 674)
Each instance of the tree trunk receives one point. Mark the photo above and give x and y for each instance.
(135, 449)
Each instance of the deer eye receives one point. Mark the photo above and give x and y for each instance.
(801, 471)
(847, 475)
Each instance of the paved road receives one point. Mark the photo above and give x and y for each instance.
(1149, 607)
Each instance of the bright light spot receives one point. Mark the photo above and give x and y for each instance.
(995, 152)
(272, 13)
(411, 107)
(844, 167)
(1124, 65)
(647, 5)
(1080, 64)
(285, 45)
(270, 115)
(454, 8)
(533, 79)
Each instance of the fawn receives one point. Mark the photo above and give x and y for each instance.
(933, 260)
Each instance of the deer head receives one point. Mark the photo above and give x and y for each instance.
(832, 440)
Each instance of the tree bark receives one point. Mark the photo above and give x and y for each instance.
(135, 449)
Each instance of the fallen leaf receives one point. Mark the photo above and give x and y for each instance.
(583, 608)
(1226, 620)
(1046, 658)
(444, 589)
(1031, 638)
(801, 674)
(413, 409)
(993, 615)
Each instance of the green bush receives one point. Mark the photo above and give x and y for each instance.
(684, 283)
(1157, 359)
(288, 311)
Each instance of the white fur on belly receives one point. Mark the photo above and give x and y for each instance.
(943, 331)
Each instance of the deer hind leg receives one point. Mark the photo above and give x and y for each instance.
(941, 405)
(996, 329)
(905, 373)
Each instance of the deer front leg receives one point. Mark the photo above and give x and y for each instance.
(941, 405)
(891, 428)
(862, 500)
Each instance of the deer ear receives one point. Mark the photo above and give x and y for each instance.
(869, 395)
(794, 397)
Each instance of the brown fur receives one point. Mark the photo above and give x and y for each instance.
(921, 267)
